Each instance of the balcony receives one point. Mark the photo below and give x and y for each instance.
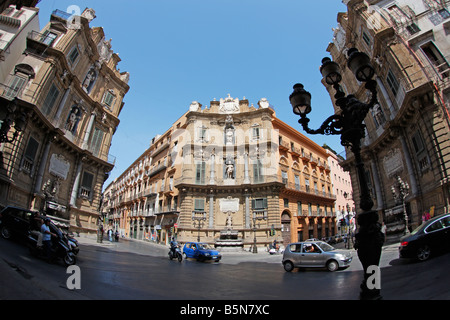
(38, 42)
(157, 168)
(307, 189)
(60, 15)
(283, 145)
(295, 151)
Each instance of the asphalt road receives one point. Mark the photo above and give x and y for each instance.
(134, 270)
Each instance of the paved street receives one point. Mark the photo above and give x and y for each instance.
(135, 270)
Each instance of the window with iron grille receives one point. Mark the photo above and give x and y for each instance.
(30, 155)
(86, 185)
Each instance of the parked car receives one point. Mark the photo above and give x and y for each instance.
(200, 251)
(15, 221)
(431, 237)
(315, 254)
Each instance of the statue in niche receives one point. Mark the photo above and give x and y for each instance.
(229, 134)
(230, 171)
(51, 189)
(229, 130)
(229, 168)
(88, 82)
(73, 119)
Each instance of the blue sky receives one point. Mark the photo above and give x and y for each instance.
(179, 51)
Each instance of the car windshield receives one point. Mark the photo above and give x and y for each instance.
(204, 246)
(325, 246)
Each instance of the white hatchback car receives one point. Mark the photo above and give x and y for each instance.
(315, 254)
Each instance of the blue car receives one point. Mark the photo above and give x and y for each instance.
(201, 251)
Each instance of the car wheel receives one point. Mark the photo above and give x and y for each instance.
(184, 255)
(6, 233)
(288, 266)
(332, 265)
(423, 253)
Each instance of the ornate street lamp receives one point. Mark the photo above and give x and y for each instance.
(18, 119)
(349, 124)
(403, 191)
(198, 219)
(257, 217)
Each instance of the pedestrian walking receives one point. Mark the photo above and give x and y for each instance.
(383, 230)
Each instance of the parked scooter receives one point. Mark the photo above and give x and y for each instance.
(175, 251)
(60, 248)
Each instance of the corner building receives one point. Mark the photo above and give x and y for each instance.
(248, 178)
(407, 134)
(67, 87)
(230, 174)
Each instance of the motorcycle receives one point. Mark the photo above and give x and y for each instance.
(73, 243)
(175, 252)
(275, 249)
(60, 247)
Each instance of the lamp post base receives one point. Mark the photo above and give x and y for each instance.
(368, 243)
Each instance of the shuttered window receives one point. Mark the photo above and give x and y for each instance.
(50, 100)
(30, 155)
(200, 173)
(259, 203)
(199, 205)
(96, 142)
(257, 172)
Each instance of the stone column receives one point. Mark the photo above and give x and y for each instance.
(40, 173)
(89, 130)
(409, 166)
(246, 175)
(211, 210)
(377, 185)
(61, 105)
(247, 211)
(76, 184)
(211, 171)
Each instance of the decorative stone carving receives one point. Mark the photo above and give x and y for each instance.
(89, 14)
(393, 163)
(104, 50)
(339, 37)
(51, 188)
(229, 105)
(195, 106)
(59, 166)
(263, 103)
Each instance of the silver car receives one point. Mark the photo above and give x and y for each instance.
(315, 254)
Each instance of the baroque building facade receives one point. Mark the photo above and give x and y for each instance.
(67, 88)
(230, 174)
(407, 133)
